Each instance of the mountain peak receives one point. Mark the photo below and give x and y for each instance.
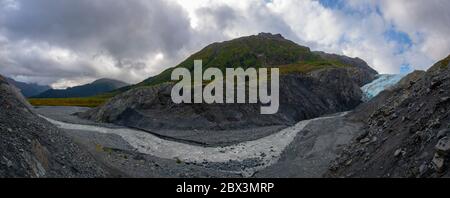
(262, 50)
(270, 35)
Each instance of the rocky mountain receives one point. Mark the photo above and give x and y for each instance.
(311, 84)
(32, 147)
(407, 131)
(97, 87)
(28, 89)
(266, 50)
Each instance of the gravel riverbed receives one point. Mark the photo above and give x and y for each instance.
(302, 150)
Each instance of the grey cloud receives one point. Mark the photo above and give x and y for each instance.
(34, 65)
(260, 18)
(222, 15)
(127, 31)
(431, 15)
(131, 33)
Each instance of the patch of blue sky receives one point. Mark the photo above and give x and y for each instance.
(406, 69)
(332, 4)
(401, 38)
(342, 5)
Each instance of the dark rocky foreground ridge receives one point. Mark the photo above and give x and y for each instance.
(32, 147)
(407, 131)
(316, 84)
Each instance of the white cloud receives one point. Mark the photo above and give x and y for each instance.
(308, 23)
(426, 22)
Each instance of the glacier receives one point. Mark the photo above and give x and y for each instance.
(382, 82)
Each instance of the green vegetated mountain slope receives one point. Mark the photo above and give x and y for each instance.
(311, 84)
(97, 87)
(264, 50)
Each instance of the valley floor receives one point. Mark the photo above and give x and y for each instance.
(303, 150)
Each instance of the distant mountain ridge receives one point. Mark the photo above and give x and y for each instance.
(28, 89)
(97, 87)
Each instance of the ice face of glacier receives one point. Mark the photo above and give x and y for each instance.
(383, 81)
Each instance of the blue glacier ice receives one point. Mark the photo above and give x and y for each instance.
(382, 82)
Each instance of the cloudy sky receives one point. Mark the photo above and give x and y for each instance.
(66, 43)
